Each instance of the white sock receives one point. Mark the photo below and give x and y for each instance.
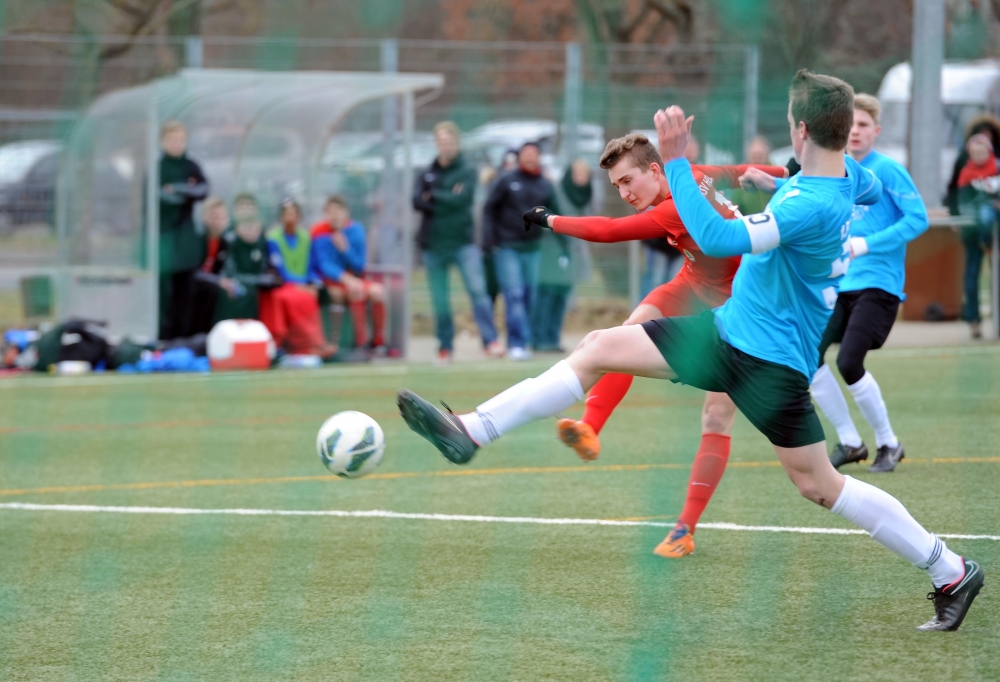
(868, 396)
(826, 392)
(546, 395)
(890, 525)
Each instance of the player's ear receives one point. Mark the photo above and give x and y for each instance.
(655, 169)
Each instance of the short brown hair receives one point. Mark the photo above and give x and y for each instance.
(868, 104)
(338, 200)
(636, 147)
(826, 105)
(448, 127)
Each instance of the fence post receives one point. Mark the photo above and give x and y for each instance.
(407, 218)
(751, 78)
(194, 52)
(572, 102)
(925, 101)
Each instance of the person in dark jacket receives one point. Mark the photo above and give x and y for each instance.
(182, 249)
(444, 194)
(516, 251)
(241, 267)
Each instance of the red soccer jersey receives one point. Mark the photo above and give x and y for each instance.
(664, 221)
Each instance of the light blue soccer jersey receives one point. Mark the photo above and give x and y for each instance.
(899, 217)
(797, 251)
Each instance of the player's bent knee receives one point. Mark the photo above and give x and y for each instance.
(717, 415)
(851, 368)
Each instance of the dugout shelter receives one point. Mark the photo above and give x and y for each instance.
(303, 134)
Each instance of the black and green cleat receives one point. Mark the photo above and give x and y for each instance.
(952, 602)
(845, 454)
(887, 458)
(444, 430)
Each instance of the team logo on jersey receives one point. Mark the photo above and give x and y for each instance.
(687, 254)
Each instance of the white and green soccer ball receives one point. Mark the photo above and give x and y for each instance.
(350, 444)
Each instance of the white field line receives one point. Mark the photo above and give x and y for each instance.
(382, 514)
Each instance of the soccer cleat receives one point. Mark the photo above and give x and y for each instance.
(679, 543)
(494, 350)
(952, 602)
(887, 459)
(580, 436)
(444, 431)
(443, 358)
(845, 454)
(518, 354)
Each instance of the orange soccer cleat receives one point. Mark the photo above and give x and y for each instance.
(581, 437)
(679, 543)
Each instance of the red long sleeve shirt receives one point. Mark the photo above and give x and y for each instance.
(664, 221)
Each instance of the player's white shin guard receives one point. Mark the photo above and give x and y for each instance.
(546, 395)
(868, 396)
(890, 525)
(826, 392)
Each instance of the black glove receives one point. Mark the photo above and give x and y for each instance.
(539, 215)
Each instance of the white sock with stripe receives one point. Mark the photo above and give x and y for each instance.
(546, 395)
(889, 524)
(826, 392)
(868, 396)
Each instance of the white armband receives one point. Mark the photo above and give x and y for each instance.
(763, 230)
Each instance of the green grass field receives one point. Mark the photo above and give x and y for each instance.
(141, 596)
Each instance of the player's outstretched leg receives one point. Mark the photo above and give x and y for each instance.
(620, 349)
(706, 472)
(583, 435)
(956, 581)
(826, 392)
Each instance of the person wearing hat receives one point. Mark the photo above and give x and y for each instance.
(517, 251)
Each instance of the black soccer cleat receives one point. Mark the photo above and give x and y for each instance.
(887, 458)
(444, 430)
(845, 454)
(952, 602)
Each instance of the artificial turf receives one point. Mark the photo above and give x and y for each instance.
(111, 596)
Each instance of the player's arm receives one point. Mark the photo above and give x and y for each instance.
(607, 230)
(714, 235)
(731, 174)
(899, 187)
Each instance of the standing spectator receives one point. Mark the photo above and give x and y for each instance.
(291, 311)
(516, 250)
(444, 195)
(556, 272)
(182, 249)
(759, 151)
(338, 258)
(986, 124)
(241, 266)
(977, 187)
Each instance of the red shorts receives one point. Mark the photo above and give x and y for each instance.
(330, 284)
(684, 296)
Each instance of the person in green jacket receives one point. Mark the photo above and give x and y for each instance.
(242, 266)
(557, 268)
(444, 194)
(182, 248)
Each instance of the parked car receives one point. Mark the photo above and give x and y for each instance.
(28, 172)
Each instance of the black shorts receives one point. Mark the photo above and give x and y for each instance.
(775, 398)
(868, 312)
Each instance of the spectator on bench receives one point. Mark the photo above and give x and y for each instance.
(291, 311)
(215, 218)
(241, 267)
(338, 258)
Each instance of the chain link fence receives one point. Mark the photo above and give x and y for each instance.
(571, 97)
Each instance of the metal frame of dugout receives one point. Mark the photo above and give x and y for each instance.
(274, 134)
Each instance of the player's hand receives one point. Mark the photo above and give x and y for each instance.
(672, 132)
(540, 216)
(339, 241)
(757, 179)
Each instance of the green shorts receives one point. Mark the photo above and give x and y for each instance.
(775, 398)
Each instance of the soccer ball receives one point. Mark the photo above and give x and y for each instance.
(350, 444)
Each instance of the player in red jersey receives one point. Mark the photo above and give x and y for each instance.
(634, 167)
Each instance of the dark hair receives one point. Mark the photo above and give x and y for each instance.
(337, 199)
(826, 105)
(635, 147)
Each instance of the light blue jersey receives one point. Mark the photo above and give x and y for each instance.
(798, 251)
(898, 217)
